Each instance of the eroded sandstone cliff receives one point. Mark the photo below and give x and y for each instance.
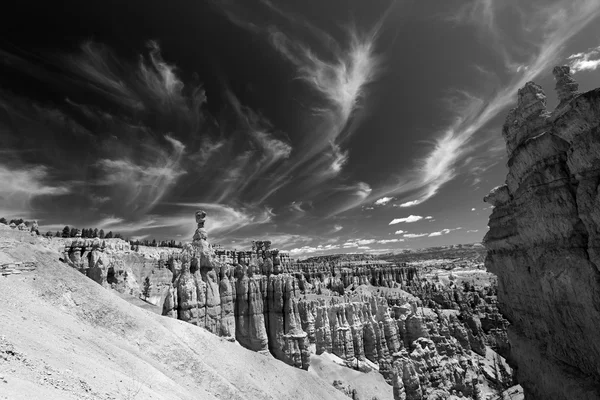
(544, 241)
(112, 264)
(427, 338)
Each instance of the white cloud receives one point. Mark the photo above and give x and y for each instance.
(20, 186)
(408, 220)
(443, 232)
(399, 232)
(383, 201)
(588, 61)
(473, 230)
(311, 249)
(337, 228)
(365, 241)
(409, 203)
(432, 234)
(472, 209)
(384, 241)
(429, 217)
(358, 242)
(414, 235)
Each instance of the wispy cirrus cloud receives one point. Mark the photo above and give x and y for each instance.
(22, 185)
(338, 72)
(224, 219)
(549, 27)
(143, 136)
(142, 183)
(265, 150)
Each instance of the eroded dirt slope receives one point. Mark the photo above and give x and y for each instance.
(62, 336)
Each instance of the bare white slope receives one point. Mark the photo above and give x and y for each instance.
(62, 336)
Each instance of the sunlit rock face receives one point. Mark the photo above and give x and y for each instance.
(251, 301)
(113, 264)
(426, 338)
(544, 241)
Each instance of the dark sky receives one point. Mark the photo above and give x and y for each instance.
(326, 126)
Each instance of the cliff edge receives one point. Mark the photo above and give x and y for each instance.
(544, 241)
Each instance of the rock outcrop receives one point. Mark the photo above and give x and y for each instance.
(426, 337)
(112, 264)
(251, 301)
(544, 241)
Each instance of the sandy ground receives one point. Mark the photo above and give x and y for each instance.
(367, 385)
(64, 337)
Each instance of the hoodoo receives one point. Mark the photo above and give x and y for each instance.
(544, 241)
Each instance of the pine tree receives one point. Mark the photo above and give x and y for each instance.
(57, 234)
(95, 233)
(109, 235)
(146, 289)
(73, 232)
(3, 221)
(101, 234)
(66, 232)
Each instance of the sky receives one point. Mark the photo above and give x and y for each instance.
(324, 126)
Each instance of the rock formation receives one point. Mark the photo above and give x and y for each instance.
(111, 263)
(425, 337)
(544, 241)
(250, 301)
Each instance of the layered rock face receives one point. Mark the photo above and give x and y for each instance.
(544, 241)
(251, 301)
(421, 352)
(426, 338)
(112, 264)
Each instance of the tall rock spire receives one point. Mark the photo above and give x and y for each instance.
(566, 86)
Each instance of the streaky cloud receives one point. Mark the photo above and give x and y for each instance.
(443, 163)
(22, 185)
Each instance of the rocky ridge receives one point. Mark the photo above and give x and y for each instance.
(544, 240)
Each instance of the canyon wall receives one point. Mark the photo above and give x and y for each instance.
(426, 338)
(544, 241)
(113, 264)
